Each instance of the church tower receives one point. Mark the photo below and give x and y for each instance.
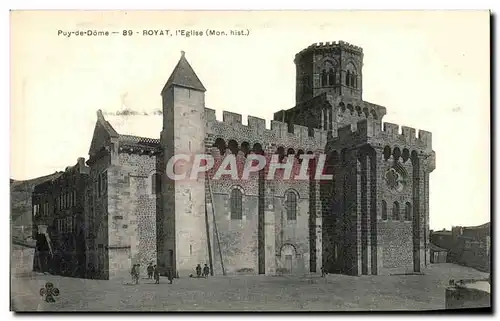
(331, 67)
(182, 231)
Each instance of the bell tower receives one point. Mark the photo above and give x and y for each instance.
(331, 67)
(182, 242)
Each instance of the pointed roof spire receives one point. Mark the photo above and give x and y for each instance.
(184, 76)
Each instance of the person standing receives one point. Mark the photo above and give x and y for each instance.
(137, 273)
(198, 270)
(156, 272)
(133, 273)
(150, 270)
(206, 271)
(170, 274)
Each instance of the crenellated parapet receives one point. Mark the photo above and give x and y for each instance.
(329, 45)
(371, 132)
(256, 131)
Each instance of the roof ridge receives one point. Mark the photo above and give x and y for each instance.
(138, 137)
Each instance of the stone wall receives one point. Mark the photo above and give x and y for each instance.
(237, 238)
(467, 298)
(97, 218)
(395, 235)
(233, 138)
(132, 214)
(340, 57)
(184, 200)
(294, 233)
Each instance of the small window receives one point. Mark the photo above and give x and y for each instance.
(324, 78)
(331, 77)
(236, 206)
(104, 182)
(291, 206)
(408, 216)
(156, 184)
(395, 211)
(384, 211)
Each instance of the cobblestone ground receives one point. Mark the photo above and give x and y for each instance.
(243, 293)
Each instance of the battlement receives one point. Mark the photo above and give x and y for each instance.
(256, 127)
(330, 45)
(372, 131)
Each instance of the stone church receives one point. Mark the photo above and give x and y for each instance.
(371, 218)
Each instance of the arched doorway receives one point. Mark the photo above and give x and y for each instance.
(289, 259)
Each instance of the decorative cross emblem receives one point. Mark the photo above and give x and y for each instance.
(392, 178)
(49, 292)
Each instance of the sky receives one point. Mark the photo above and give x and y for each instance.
(430, 69)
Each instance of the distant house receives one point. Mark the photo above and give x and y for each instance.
(21, 207)
(442, 239)
(59, 223)
(469, 246)
(472, 247)
(438, 254)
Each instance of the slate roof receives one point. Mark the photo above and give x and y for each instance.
(129, 139)
(435, 248)
(184, 76)
(137, 130)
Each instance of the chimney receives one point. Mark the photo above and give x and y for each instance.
(81, 164)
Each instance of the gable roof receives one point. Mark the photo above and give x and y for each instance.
(184, 76)
(136, 127)
(131, 131)
(100, 118)
(435, 248)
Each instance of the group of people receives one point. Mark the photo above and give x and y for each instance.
(204, 272)
(153, 271)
